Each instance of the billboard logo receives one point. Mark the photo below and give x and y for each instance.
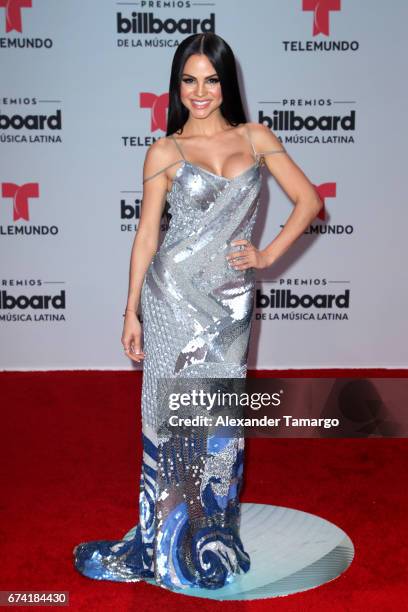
(292, 121)
(37, 302)
(147, 23)
(286, 298)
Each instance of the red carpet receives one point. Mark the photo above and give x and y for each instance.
(71, 461)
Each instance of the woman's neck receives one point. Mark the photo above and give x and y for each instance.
(208, 127)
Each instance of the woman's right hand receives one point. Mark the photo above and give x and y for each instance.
(132, 337)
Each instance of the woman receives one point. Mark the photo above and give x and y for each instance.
(196, 293)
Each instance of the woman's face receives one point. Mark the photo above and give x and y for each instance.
(200, 88)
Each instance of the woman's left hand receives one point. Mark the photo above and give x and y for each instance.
(248, 257)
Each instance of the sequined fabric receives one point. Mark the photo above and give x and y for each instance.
(197, 313)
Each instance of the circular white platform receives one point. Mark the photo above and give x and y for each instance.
(291, 551)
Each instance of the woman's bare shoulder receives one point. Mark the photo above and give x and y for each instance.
(263, 137)
(160, 149)
(159, 154)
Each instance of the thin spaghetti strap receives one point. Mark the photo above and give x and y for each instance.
(250, 140)
(260, 155)
(170, 165)
(174, 139)
(162, 170)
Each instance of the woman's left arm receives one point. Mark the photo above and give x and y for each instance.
(297, 187)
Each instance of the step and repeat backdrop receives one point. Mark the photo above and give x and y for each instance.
(84, 92)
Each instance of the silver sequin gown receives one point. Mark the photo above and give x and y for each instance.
(197, 313)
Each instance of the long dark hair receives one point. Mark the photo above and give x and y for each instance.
(220, 54)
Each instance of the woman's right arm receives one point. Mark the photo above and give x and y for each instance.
(146, 242)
